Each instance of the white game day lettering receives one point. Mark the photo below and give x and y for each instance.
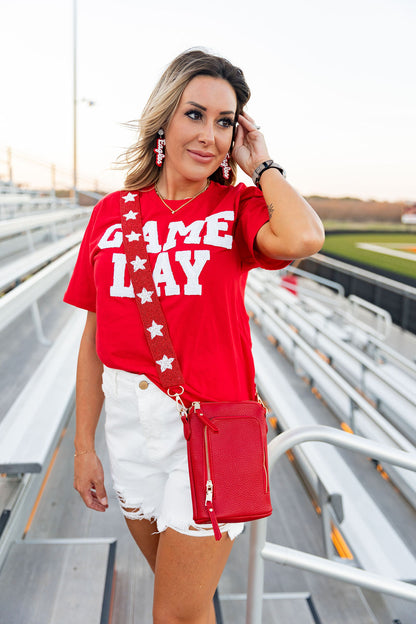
(190, 261)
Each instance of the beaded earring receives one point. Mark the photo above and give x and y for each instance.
(159, 150)
(225, 166)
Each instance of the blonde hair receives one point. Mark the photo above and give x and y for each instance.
(139, 159)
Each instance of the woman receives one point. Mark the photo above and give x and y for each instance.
(203, 234)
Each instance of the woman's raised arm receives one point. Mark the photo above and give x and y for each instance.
(294, 230)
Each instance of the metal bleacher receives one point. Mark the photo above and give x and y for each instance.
(344, 523)
(357, 388)
(329, 356)
(32, 425)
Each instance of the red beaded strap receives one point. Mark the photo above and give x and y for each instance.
(145, 294)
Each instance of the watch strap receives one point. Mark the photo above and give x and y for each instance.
(267, 164)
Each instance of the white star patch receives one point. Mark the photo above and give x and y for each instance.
(133, 236)
(154, 329)
(138, 263)
(165, 363)
(129, 197)
(130, 215)
(145, 295)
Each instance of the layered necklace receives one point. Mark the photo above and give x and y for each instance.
(188, 201)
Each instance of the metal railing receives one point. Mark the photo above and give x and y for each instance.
(382, 318)
(260, 549)
(320, 338)
(303, 355)
(24, 279)
(338, 288)
(27, 294)
(398, 298)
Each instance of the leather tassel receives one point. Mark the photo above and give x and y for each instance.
(213, 518)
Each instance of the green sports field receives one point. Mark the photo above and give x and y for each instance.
(386, 251)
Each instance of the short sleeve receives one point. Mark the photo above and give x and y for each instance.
(81, 288)
(252, 214)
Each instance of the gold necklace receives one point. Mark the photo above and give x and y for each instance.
(188, 201)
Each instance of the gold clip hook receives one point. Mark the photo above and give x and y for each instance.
(179, 403)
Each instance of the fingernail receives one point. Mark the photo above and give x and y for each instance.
(104, 501)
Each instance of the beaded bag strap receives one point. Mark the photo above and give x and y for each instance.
(145, 293)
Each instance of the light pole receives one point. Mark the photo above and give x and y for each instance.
(75, 191)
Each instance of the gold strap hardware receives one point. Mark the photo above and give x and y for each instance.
(179, 403)
(260, 400)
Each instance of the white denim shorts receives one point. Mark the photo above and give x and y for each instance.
(148, 455)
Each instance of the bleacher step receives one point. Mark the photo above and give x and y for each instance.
(278, 608)
(58, 581)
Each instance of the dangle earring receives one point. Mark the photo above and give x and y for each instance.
(159, 150)
(225, 166)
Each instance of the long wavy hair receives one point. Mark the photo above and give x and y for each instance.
(139, 159)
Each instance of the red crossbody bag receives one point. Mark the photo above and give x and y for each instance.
(226, 442)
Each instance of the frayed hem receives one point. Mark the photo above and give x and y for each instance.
(136, 514)
(133, 510)
(200, 530)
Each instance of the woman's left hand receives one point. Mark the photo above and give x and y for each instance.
(250, 148)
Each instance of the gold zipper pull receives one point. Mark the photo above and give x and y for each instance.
(198, 412)
(209, 492)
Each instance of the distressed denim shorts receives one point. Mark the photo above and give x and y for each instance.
(148, 455)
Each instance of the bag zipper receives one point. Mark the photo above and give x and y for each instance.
(198, 412)
(209, 490)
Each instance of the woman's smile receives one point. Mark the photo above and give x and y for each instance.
(199, 134)
(204, 157)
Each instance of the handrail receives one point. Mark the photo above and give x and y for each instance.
(382, 348)
(20, 298)
(93, 195)
(357, 401)
(373, 278)
(379, 313)
(339, 288)
(31, 262)
(388, 354)
(10, 227)
(365, 361)
(260, 549)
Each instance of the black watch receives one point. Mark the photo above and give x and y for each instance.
(267, 164)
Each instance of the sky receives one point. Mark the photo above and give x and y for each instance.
(333, 85)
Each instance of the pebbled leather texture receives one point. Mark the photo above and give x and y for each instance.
(228, 444)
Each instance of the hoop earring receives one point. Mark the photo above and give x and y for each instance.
(225, 166)
(159, 150)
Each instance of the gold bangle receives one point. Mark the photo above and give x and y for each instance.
(84, 452)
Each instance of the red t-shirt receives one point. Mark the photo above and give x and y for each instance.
(200, 258)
